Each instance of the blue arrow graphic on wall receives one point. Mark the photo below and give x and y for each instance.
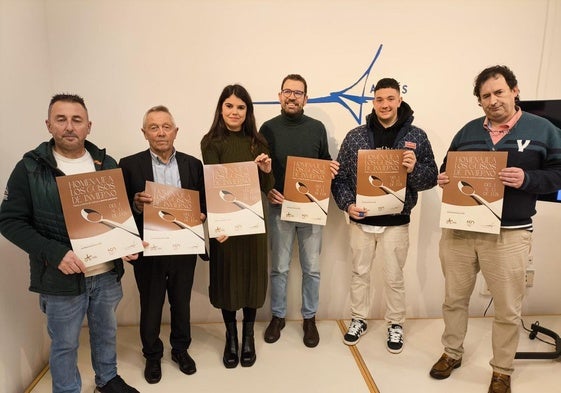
(345, 97)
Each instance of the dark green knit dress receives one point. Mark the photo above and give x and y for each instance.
(238, 267)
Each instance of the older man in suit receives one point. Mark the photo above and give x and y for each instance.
(156, 275)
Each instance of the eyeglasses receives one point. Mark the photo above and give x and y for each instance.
(297, 93)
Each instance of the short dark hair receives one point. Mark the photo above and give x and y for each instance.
(387, 83)
(64, 97)
(492, 72)
(296, 77)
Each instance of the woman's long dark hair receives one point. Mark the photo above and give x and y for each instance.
(218, 129)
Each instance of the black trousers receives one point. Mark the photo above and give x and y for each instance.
(154, 277)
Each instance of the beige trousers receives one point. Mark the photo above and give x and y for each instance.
(394, 244)
(502, 260)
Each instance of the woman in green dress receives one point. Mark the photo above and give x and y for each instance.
(238, 264)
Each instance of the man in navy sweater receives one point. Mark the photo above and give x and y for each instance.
(533, 167)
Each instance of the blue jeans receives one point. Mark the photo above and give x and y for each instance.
(282, 234)
(65, 315)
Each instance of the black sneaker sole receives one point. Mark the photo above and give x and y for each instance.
(351, 343)
(394, 351)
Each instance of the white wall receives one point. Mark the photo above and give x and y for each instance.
(125, 56)
(25, 84)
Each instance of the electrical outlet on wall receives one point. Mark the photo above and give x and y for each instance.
(530, 277)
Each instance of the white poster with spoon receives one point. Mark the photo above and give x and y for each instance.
(307, 186)
(473, 199)
(172, 222)
(98, 217)
(381, 181)
(233, 199)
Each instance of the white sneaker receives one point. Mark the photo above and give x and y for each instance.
(356, 329)
(395, 338)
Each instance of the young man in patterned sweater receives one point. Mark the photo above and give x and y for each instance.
(389, 126)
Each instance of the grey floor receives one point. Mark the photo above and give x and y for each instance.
(289, 366)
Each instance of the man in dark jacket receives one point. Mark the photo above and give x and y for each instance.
(31, 217)
(156, 275)
(389, 126)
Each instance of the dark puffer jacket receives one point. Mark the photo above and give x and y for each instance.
(31, 218)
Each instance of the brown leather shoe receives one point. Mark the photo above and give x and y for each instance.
(500, 383)
(311, 334)
(443, 368)
(273, 331)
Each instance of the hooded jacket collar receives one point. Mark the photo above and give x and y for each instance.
(404, 113)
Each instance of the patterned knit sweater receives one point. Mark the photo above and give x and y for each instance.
(407, 137)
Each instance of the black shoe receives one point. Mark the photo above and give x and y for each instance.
(230, 357)
(186, 362)
(248, 356)
(356, 329)
(311, 334)
(153, 371)
(273, 331)
(395, 338)
(116, 385)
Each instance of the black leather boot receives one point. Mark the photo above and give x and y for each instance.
(248, 356)
(231, 358)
